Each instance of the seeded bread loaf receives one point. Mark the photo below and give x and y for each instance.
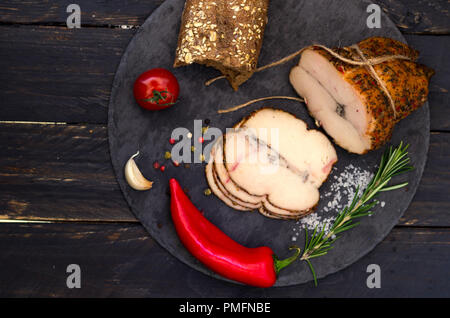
(224, 34)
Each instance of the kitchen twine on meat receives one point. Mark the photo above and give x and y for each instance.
(368, 63)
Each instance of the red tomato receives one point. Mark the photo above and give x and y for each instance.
(156, 89)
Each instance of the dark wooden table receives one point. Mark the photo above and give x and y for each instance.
(59, 200)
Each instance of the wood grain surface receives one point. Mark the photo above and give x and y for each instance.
(69, 78)
(59, 172)
(68, 166)
(118, 260)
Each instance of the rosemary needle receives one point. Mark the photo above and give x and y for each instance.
(393, 162)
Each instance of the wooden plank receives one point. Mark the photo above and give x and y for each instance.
(433, 54)
(429, 16)
(123, 261)
(100, 13)
(66, 75)
(63, 172)
(431, 202)
(423, 16)
(58, 172)
(59, 74)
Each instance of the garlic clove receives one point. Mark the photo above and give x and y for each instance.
(134, 176)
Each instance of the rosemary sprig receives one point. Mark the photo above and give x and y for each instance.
(393, 162)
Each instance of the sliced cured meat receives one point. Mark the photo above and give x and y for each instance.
(223, 178)
(218, 192)
(273, 163)
(313, 156)
(267, 174)
(349, 103)
(282, 216)
(239, 195)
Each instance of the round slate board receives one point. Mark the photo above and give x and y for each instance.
(293, 24)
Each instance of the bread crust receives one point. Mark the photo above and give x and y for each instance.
(226, 35)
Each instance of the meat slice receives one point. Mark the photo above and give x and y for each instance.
(255, 171)
(240, 196)
(271, 162)
(212, 181)
(312, 158)
(223, 178)
(346, 99)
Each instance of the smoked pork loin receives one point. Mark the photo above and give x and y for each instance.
(270, 161)
(349, 103)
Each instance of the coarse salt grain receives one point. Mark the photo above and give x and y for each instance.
(341, 194)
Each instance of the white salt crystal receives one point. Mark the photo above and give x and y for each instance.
(348, 180)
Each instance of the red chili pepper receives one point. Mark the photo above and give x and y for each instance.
(252, 266)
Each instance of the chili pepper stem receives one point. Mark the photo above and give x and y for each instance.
(280, 264)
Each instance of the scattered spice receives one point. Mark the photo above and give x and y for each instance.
(172, 141)
(156, 165)
(162, 168)
(207, 192)
(167, 155)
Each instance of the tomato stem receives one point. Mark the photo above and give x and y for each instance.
(158, 96)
